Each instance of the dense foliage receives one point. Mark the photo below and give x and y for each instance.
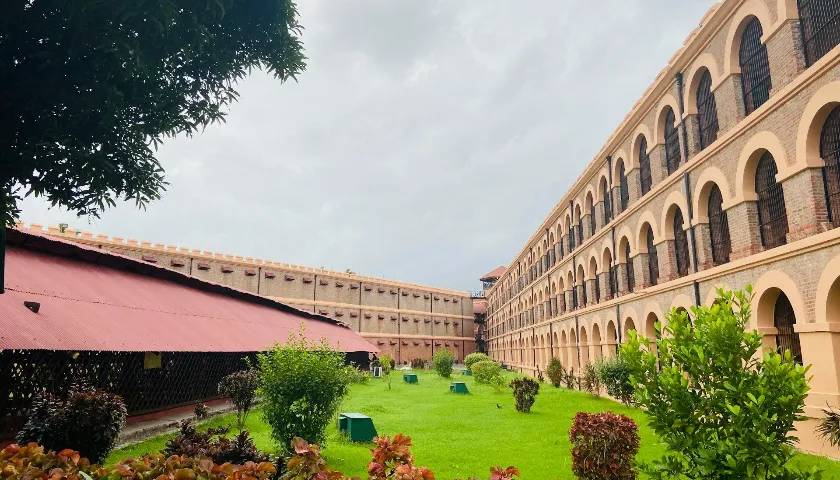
(604, 446)
(121, 77)
(591, 382)
(418, 363)
(723, 411)
(570, 379)
(474, 358)
(33, 462)
(486, 372)
(302, 386)
(525, 392)
(241, 387)
(614, 374)
(442, 362)
(214, 444)
(387, 363)
(556, 373)
(201, 411)
(86, 419)
(355, 375)
(829, 426)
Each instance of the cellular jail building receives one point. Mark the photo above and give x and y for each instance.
(405, 320)
(726, 172)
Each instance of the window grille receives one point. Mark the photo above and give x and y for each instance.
(580, 232)
(607, 207)
(597, 290)
(830, 153)
(672, 142)
(784, 320)
(718, 228)
(644, 167)
(772, 215)
(819, 21)
(571, 237)
(592, 221)
(624, 192)
(653, 259)
(680, 245)
(583, 295)
(631, 278)
(612, 282)
(706, 111)
(755, 67)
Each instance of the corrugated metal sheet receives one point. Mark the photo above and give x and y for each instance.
(97, 305)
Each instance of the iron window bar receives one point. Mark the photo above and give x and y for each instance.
(755, 67)
(672, 142)
(653, 259)
(706, 111)
(680, 245)
(718, 228)
(819, 22)
(772, 214)
(645, 180)
(830, 153)
(786, 337)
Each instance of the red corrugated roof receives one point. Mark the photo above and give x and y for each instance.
(494, 274)
(95, 300)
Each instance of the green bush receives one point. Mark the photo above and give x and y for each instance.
(241, 388)
(442, 362)
(387, 363)
(302, 386)
(525, 392)
(87, 419)
(570, 379)
(615, 375)
(591, 382)
(474, 358)
(356, 376)
(604, 446)
(829, 427)
(722, 410)
(485, 372)
(556, 373)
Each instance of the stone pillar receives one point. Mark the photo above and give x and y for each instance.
(821, 349)
(569, 294)
(641, 271)
(658, 164)
(591, 299)
(743, 230)
(666, 254)
(786, 54)
(616, 199)
(587, 226)
(729, 99)
(561, 304)
(600, 215)
(604, 284)
(805, 203)
(622, 285)
(581, 297)
(633, 186)
(704, 246)
(692, 129)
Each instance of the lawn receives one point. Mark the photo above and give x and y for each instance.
(463, 435)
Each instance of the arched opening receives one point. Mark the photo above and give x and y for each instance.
(604, 192)
(593, 275)
(590, 207)
(612, 338)
(772, 215)
(706, 110)
(819, 26)
(628, 265)
(718, 228)
(581, 277)
(755, 67)
(653, 258)
(606, 261)
(574, 357)
(597, 352)
(579, 222)
(672, 142)
(832, 306)
(645, 179)
(651, 333)
(629, 325)
(680, 244)
(830, 153)
(564, 352)
(584, 344)
(623, 190)
(784, 320)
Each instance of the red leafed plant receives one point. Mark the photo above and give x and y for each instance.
(604, 446)
(499, 473)
(392, 460)
(307, 464)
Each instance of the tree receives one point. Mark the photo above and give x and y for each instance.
(91, 89)
(723, 411)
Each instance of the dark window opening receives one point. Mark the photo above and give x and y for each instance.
(772, 215)
(718, 228)
(672, 142)
(755, 67)
(645, 179)
(653, 259)
(784, 319)
(830, 153)
(680, 245)
(706, 111)
(819, 21)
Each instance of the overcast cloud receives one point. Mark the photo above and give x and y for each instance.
(424, 143)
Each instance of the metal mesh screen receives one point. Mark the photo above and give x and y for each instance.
(653, 258)
(784, 320)
(819, 21)
(755, 67)
(645, 180)
(680, 245)
(718, 228)
(672, 142)
(706, 111)
(624, 192)
(772, 215)
(830, 153)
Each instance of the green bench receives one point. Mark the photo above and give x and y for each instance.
(458, 387)
(357, 427)
(410, 377)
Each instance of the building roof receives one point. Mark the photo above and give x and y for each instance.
(494, 274)
(479, 306)
(94, 300)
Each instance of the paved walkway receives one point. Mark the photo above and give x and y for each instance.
(141, 427)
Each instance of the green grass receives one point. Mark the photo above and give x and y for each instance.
(463, 435)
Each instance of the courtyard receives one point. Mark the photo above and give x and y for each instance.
(463, 435)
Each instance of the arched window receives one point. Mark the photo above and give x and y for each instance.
(653, 258)
(820, 27)
(784, 320)
(755, 67)
(606, 196)
(593, 221)
(645, 180)
(830, 153)
(628, 264)
(772, 215)
(706, 111)
(718, 228)
(623, 191)
(680, 245)
(672, 142)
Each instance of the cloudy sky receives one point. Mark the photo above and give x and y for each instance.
(424, 143)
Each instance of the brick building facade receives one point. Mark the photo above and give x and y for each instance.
(404, 320)
(726, 172)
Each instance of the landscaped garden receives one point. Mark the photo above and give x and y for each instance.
(458, 436)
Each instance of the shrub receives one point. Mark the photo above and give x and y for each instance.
(392, 459)
(418, 363)
(355, 375)
(201, 411)
(615, 375)
(525, 393)
(307, 463)
(829, 427)
(241, 388)
(87, 419)
(591, 382)
(213, 444)
(486, 371)
(540, 376)
(302, 386)
(507, 473)
(474, 358)
(722, 410)
(570, 379)
(556, 373)
(604, 446)
(32, 462)
(442, 362)
(387, 363)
